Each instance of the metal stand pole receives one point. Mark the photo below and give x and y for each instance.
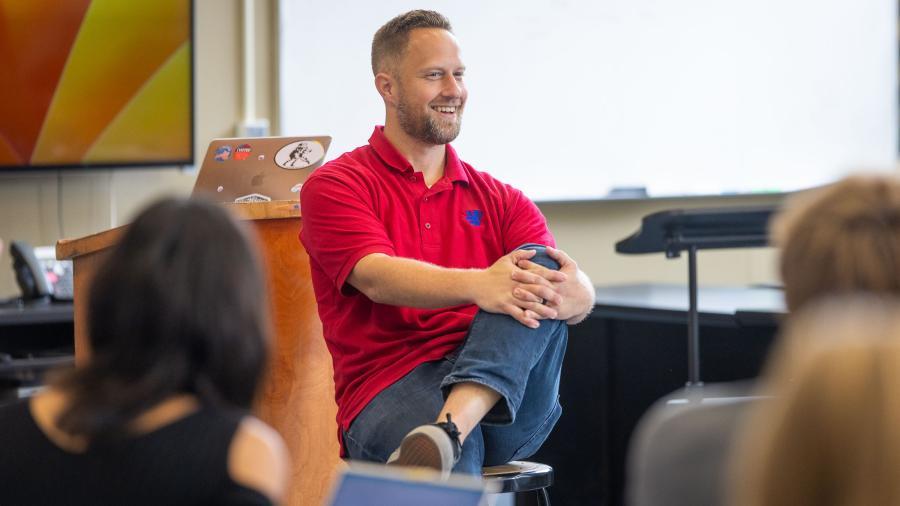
(693, 341)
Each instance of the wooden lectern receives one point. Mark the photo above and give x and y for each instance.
(298, 395)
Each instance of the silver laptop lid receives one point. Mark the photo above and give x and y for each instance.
(259, 169)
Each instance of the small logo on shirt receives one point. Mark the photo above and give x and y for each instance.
(473, 216)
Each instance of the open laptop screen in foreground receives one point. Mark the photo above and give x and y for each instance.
(364, 484)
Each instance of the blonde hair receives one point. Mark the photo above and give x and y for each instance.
(841, 238)
(831, 433)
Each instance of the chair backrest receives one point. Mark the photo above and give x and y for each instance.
(680, 450)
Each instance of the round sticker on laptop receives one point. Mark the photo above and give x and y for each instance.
(223, 153)
(299, 155)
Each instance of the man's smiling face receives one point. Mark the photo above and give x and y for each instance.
(431, 94)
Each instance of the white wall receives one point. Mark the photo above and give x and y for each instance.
(93, 201)
(694, 97)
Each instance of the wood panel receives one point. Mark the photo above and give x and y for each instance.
(85, 266)
(265, 210)
(298, 398)
(73, 249)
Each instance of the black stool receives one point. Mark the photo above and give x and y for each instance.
(521, 476)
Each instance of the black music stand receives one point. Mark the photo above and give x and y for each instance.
(672, 232)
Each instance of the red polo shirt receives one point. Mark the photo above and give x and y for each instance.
(370, 200)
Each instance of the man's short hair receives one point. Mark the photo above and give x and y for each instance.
(841, 239)
(390, 40)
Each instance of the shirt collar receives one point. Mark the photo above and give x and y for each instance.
(453, 167)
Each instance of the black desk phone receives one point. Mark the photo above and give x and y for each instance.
(39, 275)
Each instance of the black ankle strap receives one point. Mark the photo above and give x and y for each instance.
(450, 428)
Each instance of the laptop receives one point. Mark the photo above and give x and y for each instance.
(260, 169)
(365, 484)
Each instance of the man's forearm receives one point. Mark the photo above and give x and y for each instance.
(413, 283)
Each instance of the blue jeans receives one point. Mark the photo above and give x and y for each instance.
(522, 364)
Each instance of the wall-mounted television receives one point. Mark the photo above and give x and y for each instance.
(95, 83)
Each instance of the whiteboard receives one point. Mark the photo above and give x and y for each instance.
(570, 100)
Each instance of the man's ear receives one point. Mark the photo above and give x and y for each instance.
(386, 87)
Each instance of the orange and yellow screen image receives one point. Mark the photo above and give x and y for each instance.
(95, 82)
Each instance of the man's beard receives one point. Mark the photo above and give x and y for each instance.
(425, 128)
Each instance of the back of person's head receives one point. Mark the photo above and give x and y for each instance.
(841, 239)
(830, 433)
(178, 307)
(390, 41)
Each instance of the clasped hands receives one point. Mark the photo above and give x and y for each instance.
(527, 291)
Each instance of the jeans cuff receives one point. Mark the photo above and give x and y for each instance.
(502, 413)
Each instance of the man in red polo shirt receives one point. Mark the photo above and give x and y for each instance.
(443, 303)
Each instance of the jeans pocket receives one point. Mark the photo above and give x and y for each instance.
(540, 435)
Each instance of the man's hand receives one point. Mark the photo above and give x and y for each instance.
(575, 289)
(526, 296)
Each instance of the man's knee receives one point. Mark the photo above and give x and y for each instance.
(541, 257)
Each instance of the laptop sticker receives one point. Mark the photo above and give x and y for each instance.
(299, 155)
(296, 187)
(253, 197)
(223, 153)
(242, 152)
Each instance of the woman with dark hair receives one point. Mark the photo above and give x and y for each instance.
(158, 414)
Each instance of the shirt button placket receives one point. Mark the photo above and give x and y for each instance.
(426, 219)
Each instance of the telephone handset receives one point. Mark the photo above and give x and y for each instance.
(29, 274)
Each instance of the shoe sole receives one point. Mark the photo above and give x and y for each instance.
(422, 448)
